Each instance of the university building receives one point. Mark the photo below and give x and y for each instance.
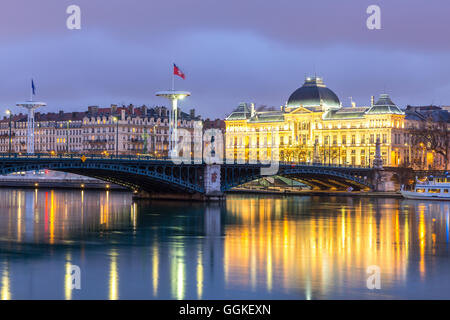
(314, 127)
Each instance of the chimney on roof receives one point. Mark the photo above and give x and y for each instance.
(113, 108)
(372, 101)
(131, 109)
(192, 113)
(144, 110)
(252, 110)
(122, 114)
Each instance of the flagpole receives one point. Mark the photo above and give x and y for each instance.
(173, 81)
(31, 91)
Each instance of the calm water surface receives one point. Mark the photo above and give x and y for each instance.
(248, 247)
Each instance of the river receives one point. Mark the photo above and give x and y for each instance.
(246, 247)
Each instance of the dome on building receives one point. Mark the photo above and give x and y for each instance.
(314, 93)
(384, 105)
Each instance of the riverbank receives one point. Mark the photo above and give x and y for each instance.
(287, 191)
(56, 183)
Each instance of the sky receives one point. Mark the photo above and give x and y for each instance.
(231, 51)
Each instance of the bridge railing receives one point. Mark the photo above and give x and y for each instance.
(153, 158)
(79, 156)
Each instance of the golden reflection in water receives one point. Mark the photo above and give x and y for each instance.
(68, 278)
(134, 215)
(55, 216)
(422, 239)
(320, 251)
(52, 217)
(82, 206)
(19, 216)
(177, 272)
(155, 272)
(5, 292)
(113, 276)
(36, 208)
(199, 274)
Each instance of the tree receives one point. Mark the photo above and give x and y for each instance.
(432, 136)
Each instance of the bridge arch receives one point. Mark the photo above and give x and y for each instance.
(323, 177)
(150, 176)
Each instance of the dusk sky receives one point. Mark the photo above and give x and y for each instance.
(231, 51)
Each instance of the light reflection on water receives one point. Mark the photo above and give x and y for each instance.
(250, 247)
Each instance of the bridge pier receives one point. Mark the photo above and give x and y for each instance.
(212, 180)
(382, 181)
(212, 187)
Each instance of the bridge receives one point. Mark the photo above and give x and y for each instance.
(162, 178)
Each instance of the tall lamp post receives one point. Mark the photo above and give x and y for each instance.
(116, 121)
(9, 113)
(173, 97)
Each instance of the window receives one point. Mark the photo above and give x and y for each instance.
(433, 190)
(344, 139)
(420, 190)
(445, 190)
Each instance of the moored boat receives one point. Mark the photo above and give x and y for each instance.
(434, 188)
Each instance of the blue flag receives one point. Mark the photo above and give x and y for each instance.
(33, 88)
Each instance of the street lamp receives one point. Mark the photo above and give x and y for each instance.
(9, 113)
(116, 121)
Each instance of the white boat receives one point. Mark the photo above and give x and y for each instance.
(434, 188)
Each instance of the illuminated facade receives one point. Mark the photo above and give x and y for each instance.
(125, 130)
(313, 127)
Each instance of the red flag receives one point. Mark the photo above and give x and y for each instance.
(178, 72)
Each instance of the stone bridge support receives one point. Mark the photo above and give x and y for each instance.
(212, 180)
(383, 182)
(212, 188)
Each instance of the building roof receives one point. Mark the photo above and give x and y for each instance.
(268, 116)
(93, 111)
(313, 93)
(345, 113)
(242, 112)
(422, 113)
(384, 105)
